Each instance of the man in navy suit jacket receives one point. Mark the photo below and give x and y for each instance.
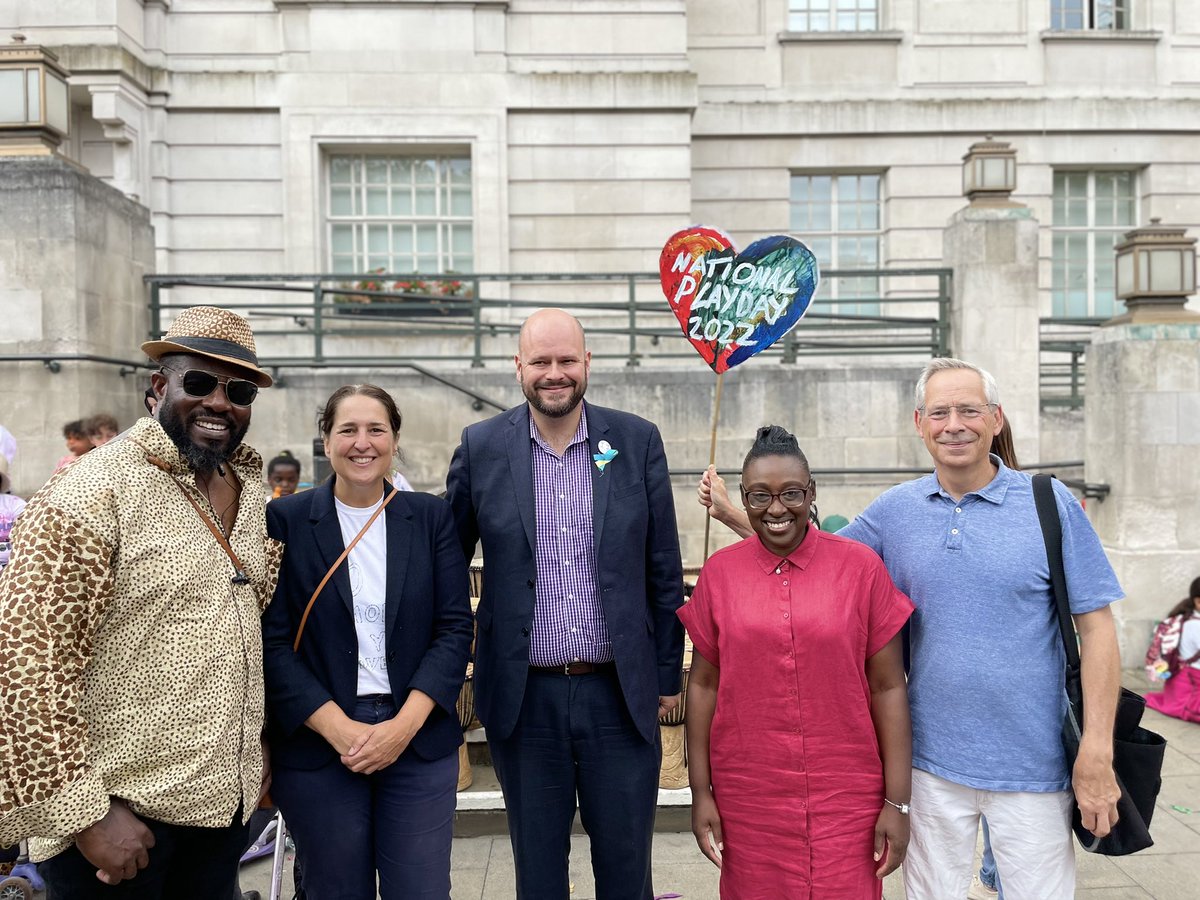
(578, 650)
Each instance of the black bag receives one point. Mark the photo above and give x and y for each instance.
(1137, 752)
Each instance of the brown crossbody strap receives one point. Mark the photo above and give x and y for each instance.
(333, 568)
(239, 576)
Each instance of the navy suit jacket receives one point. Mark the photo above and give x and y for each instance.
(427, 620)
(639, 575)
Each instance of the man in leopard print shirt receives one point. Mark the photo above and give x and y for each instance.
(131, 688)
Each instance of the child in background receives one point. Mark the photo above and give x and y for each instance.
(10, 506)
(1180, 697)
(101, 428)
(283, 474)
(77, 443)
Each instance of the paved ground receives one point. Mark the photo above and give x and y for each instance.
(1170, 870)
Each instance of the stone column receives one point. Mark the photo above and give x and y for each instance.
(1142, 421)
(992, 247)
(72, 255)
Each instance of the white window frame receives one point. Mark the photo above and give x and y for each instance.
(802, 227)
(365, 225)
(817, 16)
(1059, 292)
(1091, 15)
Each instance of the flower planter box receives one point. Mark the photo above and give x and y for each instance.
(405, 306)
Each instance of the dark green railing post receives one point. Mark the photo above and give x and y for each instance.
(155, 312)
(318, 321)
(633, 354)
(789, 348)
(477, 324)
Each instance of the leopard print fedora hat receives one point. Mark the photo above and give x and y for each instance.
(215, 333)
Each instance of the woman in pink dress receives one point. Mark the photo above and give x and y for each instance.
(1180, 696)
(798, 737)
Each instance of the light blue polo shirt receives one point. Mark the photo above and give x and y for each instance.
(986, 679)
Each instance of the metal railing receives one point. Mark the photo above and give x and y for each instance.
(1063, 347)
(628, 318)
(896, 475)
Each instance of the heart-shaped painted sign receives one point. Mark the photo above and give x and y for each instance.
(733, 305)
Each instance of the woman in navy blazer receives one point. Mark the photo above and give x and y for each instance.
(361, 719)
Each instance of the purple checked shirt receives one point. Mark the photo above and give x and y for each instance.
(568, 623)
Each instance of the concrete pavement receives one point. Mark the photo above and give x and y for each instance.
(482, 867)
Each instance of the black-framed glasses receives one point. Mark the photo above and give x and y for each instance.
(792, 498)
(198, 383)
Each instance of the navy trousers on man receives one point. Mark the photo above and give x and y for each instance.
(398, 822)
(186, 863)
(575, 738)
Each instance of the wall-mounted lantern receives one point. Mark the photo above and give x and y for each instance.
(35, 112)
(1156, 273)
(989, 171)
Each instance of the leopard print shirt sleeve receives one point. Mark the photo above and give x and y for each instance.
(51, 602)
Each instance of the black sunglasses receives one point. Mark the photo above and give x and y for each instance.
(198, 383)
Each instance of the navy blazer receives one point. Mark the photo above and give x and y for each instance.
(639, 573)
(427, 619)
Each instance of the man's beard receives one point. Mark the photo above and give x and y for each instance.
(561, 408)
(202, 459)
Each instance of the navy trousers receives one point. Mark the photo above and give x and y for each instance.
(398, 822)
(186, 863)
(575, 739)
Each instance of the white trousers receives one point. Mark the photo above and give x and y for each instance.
(1031, 840)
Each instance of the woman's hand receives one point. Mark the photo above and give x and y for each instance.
(891, 840)
(345, 735)
(339, 730)
(706, 826)
(379, 745)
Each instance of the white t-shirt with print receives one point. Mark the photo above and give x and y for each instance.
(1189, 640)
(367, 566)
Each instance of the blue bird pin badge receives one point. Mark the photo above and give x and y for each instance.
(606, 455)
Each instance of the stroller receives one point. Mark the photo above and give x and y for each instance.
(272, 840)
(18, 876)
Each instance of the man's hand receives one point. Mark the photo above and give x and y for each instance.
(264, 793)
(1095, 785)
(118, 845)
(1096, 789)
(668, 704)
(713, 496)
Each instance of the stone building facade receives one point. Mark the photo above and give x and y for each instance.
(574, 135)
(569, 136)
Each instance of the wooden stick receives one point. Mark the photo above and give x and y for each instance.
(712, 452)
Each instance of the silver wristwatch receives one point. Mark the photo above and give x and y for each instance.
(903, 807)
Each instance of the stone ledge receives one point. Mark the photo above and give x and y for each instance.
(1055, 35)
(473, 801)
(841, 37)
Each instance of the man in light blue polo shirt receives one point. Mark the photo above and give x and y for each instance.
(986, 682)
(986, 679)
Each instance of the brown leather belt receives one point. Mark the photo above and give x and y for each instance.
(575, 668)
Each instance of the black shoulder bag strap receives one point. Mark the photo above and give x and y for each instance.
(1047, 510)
(1072, 729)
